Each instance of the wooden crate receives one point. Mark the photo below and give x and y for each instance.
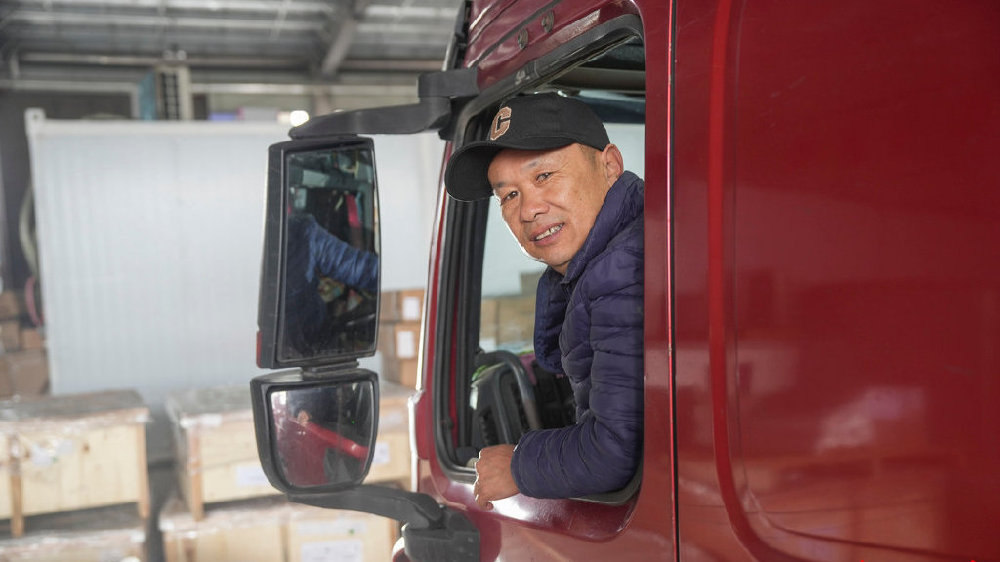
(216, 446)
(273, 530)
(315, 534)
(71, 452)
(105, 534)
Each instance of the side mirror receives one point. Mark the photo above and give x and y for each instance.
(315, 433)
(320, 272)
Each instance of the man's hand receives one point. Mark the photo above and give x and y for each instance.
(494, 480)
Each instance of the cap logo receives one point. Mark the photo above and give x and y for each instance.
(500, 123)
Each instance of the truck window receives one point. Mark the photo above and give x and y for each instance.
(506, 392)
(507, 320)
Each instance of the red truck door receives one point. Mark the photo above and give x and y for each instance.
(477, 357)
(837, 228)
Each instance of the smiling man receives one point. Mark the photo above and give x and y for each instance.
(565, 196)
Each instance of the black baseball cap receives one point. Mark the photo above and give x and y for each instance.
(533, 122)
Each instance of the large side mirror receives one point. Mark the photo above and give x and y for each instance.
(315, 434)
(320, 272)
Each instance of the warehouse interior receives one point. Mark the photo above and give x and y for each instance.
(133, 161)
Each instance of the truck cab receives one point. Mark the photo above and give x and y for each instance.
(821, 287)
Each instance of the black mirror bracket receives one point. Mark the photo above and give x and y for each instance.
(441, 96)
(431, 532)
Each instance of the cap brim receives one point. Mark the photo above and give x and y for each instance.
(465, 177)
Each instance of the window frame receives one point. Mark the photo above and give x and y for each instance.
(460, 281)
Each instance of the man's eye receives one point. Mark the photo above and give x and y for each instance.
(543, 176)
(508, 196)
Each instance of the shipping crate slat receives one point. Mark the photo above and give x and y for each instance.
(273, 530)
(92, 535)
(72, 452)
(216, 447)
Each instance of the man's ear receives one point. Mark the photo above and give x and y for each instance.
(611, 159)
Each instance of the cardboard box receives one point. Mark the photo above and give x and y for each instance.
(402, 306)
(216, 446)
(72, 452)
(516, 321)
(392, 461)
(31, 338)
(400, 371)
(94, 535)
(273, 530)
(400, 340)
(488, 328)
(10, 335)
(10, 305)
(24, 373)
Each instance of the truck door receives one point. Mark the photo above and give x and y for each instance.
(484, 388)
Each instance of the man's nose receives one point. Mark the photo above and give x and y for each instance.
(532, 204)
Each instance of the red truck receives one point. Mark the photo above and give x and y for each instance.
(822, 287)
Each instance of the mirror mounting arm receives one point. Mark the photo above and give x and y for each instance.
(441, 96)
(431, 532)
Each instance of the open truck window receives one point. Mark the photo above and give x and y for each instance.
(499, 391)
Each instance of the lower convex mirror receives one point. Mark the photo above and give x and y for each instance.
(315, 434)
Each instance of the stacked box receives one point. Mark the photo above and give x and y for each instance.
(24, 369)
(399, 345)
(392, 461)
(107, 534)
(216, 447)
(399, 335)
(406, 305)
(24, 373)
(400, 318)
(273, 530)
(72, 452)
(507, 322)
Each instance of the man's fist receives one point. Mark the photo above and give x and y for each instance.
(494, 480)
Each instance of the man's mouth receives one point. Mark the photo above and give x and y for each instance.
(547, 233)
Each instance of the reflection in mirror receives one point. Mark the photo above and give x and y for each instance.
(331, 253)
(323, 435)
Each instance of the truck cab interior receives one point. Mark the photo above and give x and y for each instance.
(501, 392)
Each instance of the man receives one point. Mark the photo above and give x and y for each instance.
(565, 196)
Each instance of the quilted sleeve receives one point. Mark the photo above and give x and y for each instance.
(601, 452)
(338, 259)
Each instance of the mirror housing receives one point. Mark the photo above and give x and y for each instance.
(320, 270)
(315, 433)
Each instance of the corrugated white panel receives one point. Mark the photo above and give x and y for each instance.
(149, 246)
(150, 243)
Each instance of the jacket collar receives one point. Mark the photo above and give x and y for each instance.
(622, 205)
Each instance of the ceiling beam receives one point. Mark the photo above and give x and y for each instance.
(261, 6)
(336, 52)
(155, 20)
(343, 37)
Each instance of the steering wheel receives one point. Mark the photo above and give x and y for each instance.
(524, 385)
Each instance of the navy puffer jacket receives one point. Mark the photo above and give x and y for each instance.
(588, 325)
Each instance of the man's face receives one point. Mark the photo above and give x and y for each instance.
(551, 198)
